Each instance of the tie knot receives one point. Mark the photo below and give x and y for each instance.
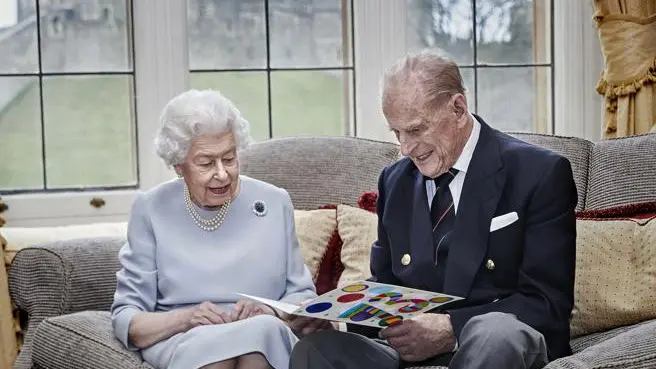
(445, 178)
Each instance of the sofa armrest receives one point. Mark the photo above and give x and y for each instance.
(82, 340)
(634, 348)
(61, 278)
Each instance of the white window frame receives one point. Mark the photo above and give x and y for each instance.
(161, 72)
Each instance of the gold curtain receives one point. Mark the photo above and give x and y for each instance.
(627, 34)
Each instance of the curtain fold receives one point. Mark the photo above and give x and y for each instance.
(627, 34)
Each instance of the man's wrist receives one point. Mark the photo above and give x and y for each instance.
(453, 335)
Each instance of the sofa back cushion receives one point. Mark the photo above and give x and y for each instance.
(622, 171)
(576, 150)
(319, 170)
(615, 274)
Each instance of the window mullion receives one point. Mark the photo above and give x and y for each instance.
(380, 39)
(161, 63)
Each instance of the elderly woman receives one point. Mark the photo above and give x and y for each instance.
(196, 242)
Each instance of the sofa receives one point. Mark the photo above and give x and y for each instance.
(63, 289)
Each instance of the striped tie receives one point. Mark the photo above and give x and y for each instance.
(443, 217)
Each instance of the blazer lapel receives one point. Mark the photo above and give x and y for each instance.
(421, 236)
(479, 197)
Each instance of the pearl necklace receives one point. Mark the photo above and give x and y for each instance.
(206, 224)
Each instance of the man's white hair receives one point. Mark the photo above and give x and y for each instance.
(193, 114)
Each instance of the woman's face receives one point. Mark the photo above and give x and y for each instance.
(211, 169)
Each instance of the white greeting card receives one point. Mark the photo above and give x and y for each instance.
(365, 303)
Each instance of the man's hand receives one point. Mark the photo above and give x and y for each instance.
(303, 326)
(421, 337)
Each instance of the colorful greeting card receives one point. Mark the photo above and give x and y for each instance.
(366, 303)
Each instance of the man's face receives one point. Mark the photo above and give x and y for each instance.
(433, 140)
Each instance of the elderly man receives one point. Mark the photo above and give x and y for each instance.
(471, 212)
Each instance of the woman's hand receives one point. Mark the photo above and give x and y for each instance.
(207, 313)
(248, 308)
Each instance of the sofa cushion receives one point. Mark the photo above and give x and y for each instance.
(358, 230)
(622, 171)
(576, 150)
(319, 170)
(314, 229)
(632, 347)
(615, 274)
(82, 340)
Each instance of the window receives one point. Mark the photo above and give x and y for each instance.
(503, 48)
(66, 117)
(286, 64)
(74, 134)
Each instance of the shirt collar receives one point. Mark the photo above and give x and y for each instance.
(462, 164)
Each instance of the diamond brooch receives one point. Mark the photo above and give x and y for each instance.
(259, 208)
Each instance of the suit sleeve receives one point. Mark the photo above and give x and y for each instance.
(381, 258)
(545, 296)
(136, 289)
(299, 286)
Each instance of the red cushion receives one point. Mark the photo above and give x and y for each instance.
(643, 210)
(330, 267)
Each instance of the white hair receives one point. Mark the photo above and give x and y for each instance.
(193, 114)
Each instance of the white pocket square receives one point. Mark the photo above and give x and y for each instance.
(503, 221)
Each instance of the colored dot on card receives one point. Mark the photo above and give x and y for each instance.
(440, 300)
(318, 307)
(350, 297)
(381, 289)
(355, 288)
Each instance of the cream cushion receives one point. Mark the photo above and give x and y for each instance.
(615, 274)
(313, 230)
(358, 230)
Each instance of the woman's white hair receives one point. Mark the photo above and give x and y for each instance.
(193, 114)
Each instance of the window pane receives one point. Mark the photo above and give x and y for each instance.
(513, 31)
(90, 36)
(20, 134)
(18, 37)
(468, 79)
(515, 99)
(446, 25)
(227, 34)
(89, 131)
(310, 33)
(247, 90)
(313, 103)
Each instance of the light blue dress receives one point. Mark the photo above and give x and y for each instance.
(169, 263)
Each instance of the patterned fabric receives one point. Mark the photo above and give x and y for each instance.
(615, 268)
(624, 348)
(84, 332)
(443, 219)
(319, 170)
(62, 278)
(314, 228)
(576, 150)
(358, 230)
(622, 171)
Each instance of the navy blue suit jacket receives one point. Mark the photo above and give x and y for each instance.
(534, 258)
